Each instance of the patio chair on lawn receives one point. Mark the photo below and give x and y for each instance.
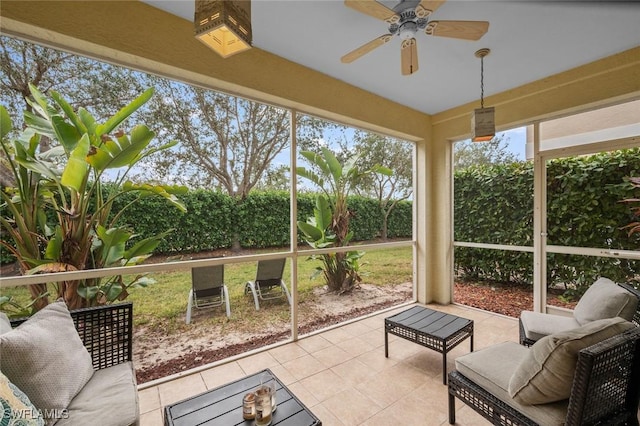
(207, 289)
(268, 283)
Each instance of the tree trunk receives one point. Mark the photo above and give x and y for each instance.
(35, 290)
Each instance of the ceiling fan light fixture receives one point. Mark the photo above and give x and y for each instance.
(483, 127)
(224, 25)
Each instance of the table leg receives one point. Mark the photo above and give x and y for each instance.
(386, 343)
(444, 366)
(471, 338)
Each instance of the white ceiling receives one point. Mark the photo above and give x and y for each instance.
(529, 40)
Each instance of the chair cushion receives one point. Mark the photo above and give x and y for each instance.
(605, 299)
(5, 324)
(13, 400)
(546, 373)
(45, 357)
(491, 368)
(110, 390)
(537, 325)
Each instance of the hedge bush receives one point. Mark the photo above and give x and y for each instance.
(495, 205)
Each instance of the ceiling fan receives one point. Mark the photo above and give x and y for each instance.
(405, 20)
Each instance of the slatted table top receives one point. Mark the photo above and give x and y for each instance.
(223, 406)
(430, 322)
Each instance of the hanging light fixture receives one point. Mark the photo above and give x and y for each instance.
(483, 126)
(224, 25)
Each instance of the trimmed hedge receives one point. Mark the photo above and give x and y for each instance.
(495, 205)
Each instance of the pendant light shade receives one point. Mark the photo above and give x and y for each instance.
(224, 25)
(483, 126)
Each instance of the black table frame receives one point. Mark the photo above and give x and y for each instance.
(223, 406)
(435, 330)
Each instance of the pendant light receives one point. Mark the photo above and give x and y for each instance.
(483, 127)
(224, 25)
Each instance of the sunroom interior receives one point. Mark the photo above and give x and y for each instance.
(138, 35)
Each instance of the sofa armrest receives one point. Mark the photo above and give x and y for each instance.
(106, 331)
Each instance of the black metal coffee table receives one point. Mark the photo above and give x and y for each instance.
(433, 329)
(223, 406)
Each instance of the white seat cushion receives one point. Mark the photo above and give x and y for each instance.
(537, 325)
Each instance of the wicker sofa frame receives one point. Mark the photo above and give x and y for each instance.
(106, 331)
(524, 340)
(605, 388)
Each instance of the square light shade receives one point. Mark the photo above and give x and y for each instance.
(483, 126)
(224, 25)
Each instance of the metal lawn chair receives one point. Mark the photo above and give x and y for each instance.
(207, 289)
(268, 283)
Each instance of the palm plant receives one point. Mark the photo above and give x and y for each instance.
(61, 219)
(329, 227)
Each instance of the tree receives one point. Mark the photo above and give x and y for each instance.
(496, 151)
(388, 189)
(86, 233)
(329, 227)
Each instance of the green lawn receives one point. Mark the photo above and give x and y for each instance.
(163, 304)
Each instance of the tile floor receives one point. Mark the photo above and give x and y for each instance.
(343, 377)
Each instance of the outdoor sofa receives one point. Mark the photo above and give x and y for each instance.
(71, 368)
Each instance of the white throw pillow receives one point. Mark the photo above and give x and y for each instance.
(46, 359)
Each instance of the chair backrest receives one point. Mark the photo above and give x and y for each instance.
(636, 293)
(270, 271)
(605, 386)
(207, 281)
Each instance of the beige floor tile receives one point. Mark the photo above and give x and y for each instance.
(416, 409)
(393, 383)
(304, 366)
(257, 362)
(222, 374)
(288, 352)
(182, 388)
(324, 384)
(429, 362)
(353, 371)
(351, 406)
(326, 417)
(355, 346)
(375, 337)
(303, 395)
(333, 355)
(401, 349)
(283, 374)
(376, 361)
(313, 343)
(336, 335)
(149, 400)
(152, 418)
(357, 328)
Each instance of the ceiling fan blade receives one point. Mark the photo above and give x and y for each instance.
(466, 30)
(431, 5)
(409, 56)
(365, 48)
(371, 8)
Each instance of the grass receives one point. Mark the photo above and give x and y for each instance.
(162, 306)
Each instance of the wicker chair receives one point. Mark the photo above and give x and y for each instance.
(605, 389)
(107, 333)
(559, 323)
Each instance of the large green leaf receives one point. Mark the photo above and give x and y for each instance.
(146, 246)
(124, 113)
(39, 124)
(68, 110)
(334, 165)
(54, 246)
(123, 152)
(76, 170)
(5, 122)
(67, 134)
(113, 244)
(310, 231)
(322, 213)
(164, 191)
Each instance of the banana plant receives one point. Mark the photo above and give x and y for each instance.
(86, 233)
(329, 226)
